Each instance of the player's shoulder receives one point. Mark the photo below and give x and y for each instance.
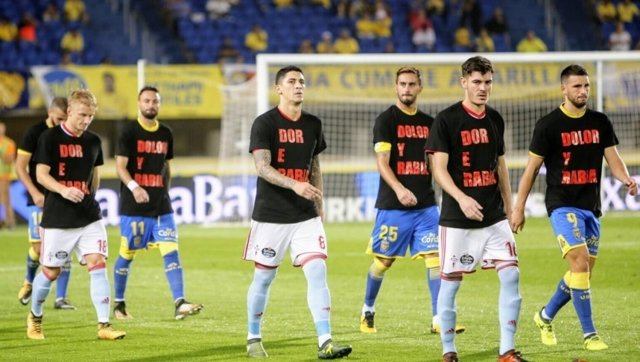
(311, 117)
(452, 110)
(165, 127)
(492, 112)
(91, 136)
(551, 118)
(597, 116)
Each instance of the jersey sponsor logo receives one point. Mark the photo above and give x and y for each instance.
(582, 137)
(167, 232)
(579, 177)
(149, 179)
(72, 150)
(62, 255)
(297, 174)
(412, 131)
(430, 238)
(155, 147)
(479, 178)
(466, 259)
(474, 136)
(411, 168)
(290, 135)
(268, 252)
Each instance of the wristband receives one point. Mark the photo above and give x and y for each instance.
(131, 185)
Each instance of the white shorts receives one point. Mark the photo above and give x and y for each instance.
(462, 249)
(58, 244)
(267, 242)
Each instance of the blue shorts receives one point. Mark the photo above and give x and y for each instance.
(35, 216)
(576, 227)
(397, 230)
(140, 231)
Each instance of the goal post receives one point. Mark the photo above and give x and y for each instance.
(347, 92)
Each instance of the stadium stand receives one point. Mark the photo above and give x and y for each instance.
(182, 31)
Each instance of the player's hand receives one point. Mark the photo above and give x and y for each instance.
(406, 197)
(140, 195)
(632, 186)
(471, 208)
(307, 190)
(38, 199)
(72, 194)
(517, 220)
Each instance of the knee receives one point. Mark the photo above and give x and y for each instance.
(509, 274)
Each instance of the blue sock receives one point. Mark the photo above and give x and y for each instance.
(173, 270)
(561, 297)
(41, 289)
(120, 277)
(582, 303)
(433, 282)
(257, 297)
(371, 292)
(100, 292)
(63, 280)
(32, 268)
(318, 297)
(447, 313)
(509, 306)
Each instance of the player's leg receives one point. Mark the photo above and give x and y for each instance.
(94, 248)
(57, 246)
(453, 242)
(392, 233)
(265, 246)
(165, 234)
(33, 255)
(309, 250)
(500, 250)
(135, 233)
(62, 285)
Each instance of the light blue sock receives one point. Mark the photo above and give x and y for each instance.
(318, 297)
(447, 313)
(257, 297)
(41, 288)
(173, 271)
(433, 282)
(62, 283)
(120, 276)
(509, 306)
(32, 268)
(100, 292)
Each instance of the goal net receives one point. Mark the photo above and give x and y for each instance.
(348, 92)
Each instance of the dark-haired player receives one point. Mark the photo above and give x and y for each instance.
(571, 142)
(467, 159)
(26, 172)
(287, 214)
(146, 216)
(407, 213)
(66, 159)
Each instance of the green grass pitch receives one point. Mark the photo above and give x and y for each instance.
(216, 276)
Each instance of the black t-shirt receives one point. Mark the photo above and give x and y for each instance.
(474, 145)
(148, 151)
(407, 135)
(28, 145)
(292, 144)
(573, 149)
(72, 160)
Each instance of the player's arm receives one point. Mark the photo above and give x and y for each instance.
(316, 180)
(22, 171)
(383, 155)
(504, 185)
(139, 193)
(527, 179)
(262, 161)
(470, 207)
(45, 179)
(95, 180)
(619, 169)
